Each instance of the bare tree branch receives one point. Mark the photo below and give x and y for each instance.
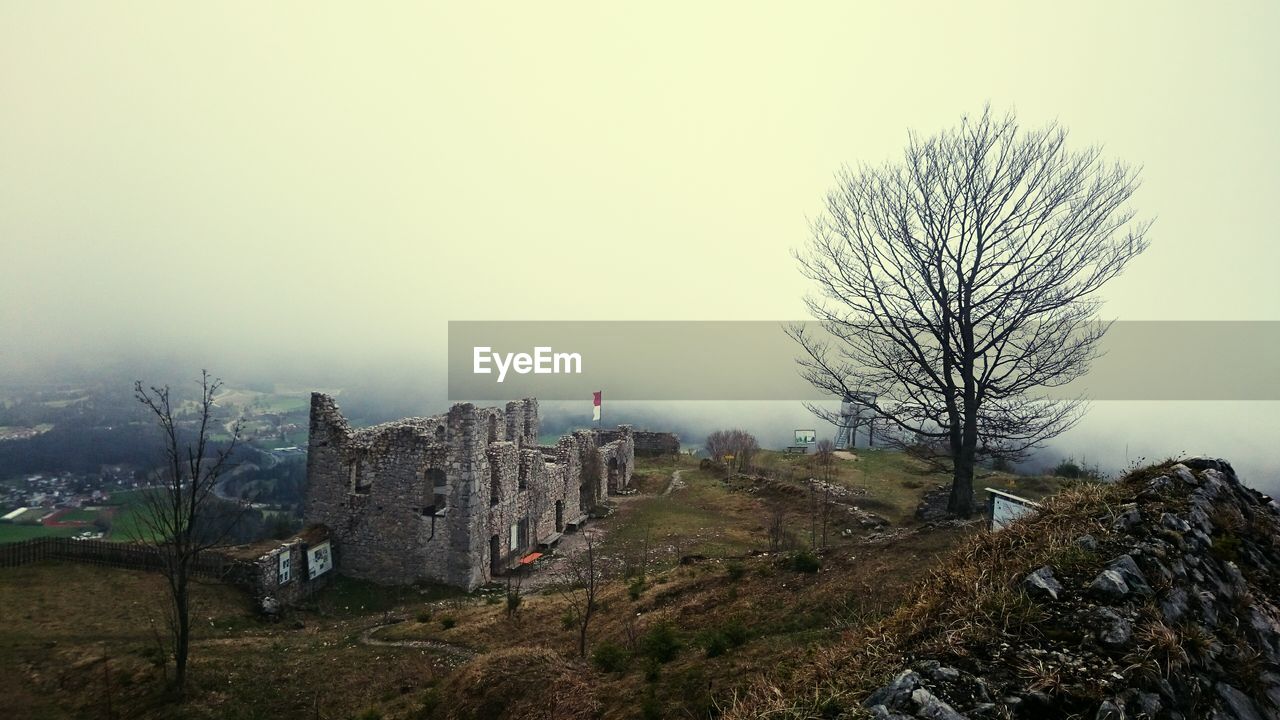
(958, 283)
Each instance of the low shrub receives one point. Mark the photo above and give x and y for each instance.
(660, 643)
(805, 562)
(714, 643)
(609, 657)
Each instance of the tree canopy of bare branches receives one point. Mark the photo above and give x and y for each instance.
(174, 518)
(581, 580)
(958, 283)
(740, 444)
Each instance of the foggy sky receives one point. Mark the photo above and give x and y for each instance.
(317, 188)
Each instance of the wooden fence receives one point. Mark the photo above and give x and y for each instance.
(99, 552)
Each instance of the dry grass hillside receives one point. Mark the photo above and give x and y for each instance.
(671, 639)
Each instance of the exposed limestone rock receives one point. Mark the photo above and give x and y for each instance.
(1178, 617)
(1113, 630)
(1041, 583)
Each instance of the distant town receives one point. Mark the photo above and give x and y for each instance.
(75, 460)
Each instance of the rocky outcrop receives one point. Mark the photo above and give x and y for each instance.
(1168, 610)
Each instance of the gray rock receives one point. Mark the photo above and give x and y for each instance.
(1133, 576)
(1127, 520)
(1237, 704)
(1042, 583)
(1175, 523)
(897, 694)
(1110, 710)
(984, 711)
(1113, 630)
(931, 707)
(1184, 474)
(1109, 585)
(1174, 605)
(945, 674)
(1207, 463)
(1147, 704)
(1272, 681)
(881, 712)
(1159, 484)
(1087, 542)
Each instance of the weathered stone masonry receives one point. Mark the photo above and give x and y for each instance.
(456, 498)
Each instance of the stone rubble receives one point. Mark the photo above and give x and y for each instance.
(1177, 620)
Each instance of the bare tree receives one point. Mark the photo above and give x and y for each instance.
(739, 444)
(581, 580)
(776, 527)
(825, 458)
(960, 282)
(176, 520)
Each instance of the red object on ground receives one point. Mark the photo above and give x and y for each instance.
(528, 559)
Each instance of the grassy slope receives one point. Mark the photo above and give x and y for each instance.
(56, 620)
(13, 533)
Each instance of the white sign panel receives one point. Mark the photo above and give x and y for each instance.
(806, 437)
(286, 567)
(319, 560)
(1005, 508)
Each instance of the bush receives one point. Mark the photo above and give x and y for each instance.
(1068, 469)
(635, 588)
(609, 657)
(448, 621)
(736, 571)
(660, 643)
(736, 633)
(650, 708)
(424, 616)
(513, 603)
(805, 562)
(715, 643)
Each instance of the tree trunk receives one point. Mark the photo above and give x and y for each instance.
(182, 642)
(582, 635)
(961, 501)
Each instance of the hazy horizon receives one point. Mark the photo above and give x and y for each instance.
(310, 192)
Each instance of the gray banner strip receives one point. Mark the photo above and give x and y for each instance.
(756, 360)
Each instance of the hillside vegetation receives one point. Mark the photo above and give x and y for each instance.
(697, 613)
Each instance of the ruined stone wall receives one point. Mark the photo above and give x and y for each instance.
(617, 457)
(650, 444)
(455, 497)
(259, 569)
(403, 497)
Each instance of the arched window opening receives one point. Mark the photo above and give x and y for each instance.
(439, 491)
(495, 481)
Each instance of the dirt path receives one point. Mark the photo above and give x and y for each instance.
(551, 570)
(455, 652)
(675, 484)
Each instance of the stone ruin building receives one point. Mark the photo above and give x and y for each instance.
(458, 498)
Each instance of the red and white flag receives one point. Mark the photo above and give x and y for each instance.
(595, 405)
